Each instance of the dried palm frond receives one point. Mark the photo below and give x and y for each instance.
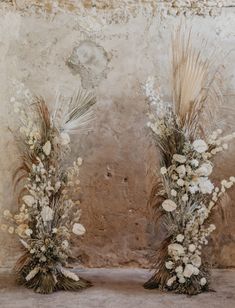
(44, 114)
(77, 114)
(161, 275)
(156, 198)
(194, 83)
(47, 279)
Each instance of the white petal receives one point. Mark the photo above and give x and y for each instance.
(47, 148)
(28, 200)
(78, 229)
(169, 205)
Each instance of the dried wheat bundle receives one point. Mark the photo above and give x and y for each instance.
(49, 211)
(184, 198)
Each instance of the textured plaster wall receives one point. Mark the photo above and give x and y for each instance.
(112, 47)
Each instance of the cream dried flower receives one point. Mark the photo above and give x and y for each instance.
(47, 214)
(204, 170)
(78, 229)
(47, 148)
(188, 271)
(169, 265)
(180, 238)
(169, 205)
(200, 146)
(171, 281)
(191, 247)
(181, 170)
(64, 139)
(196, 260)
(185, 198)
(79, 161)
(176, 249)
(203, 281)
(179, 158)
(163, 170)
(28, 200)
(205, 185)
(180, 182)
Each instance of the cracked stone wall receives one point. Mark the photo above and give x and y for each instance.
(111, 47)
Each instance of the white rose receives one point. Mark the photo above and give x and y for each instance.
(179, 269)
(78, 229)
(180, 182)
(232, 179)
(173, 192)
(169, 265)
(176, 249)
(180, 238)
(181, 170)
(171, 281)
(205, 185)
(193, 189)
(204, 170)
(64, 138)
(163, 170)
(188, 271)
(182, 280)
(196, 261)
(47, 214)
(200, 146)
(179, 158)
(191, 247)
(28, 200)
(203, 281)
(169, 205)
(79, 161)
(47, 148)
(185, 197)
(194, 162)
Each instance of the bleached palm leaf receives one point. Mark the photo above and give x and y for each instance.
(196, 89)
(75, 115)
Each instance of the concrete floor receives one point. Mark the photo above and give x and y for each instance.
(118, 288)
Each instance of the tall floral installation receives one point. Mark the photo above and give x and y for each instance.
(184, 199)
(48, 213)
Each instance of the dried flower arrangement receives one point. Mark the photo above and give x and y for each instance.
(183, 198)
(48, 207)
